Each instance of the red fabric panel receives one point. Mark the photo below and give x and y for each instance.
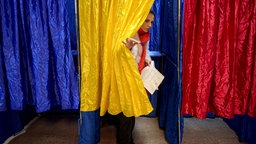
(219, 58)
(252, 44)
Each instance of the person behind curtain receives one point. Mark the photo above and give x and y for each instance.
(138, 45)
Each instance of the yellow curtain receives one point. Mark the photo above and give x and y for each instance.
(109, 76)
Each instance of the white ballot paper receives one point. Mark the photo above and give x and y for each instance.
(151, 78)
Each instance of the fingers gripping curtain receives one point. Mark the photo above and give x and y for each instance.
(109, 76)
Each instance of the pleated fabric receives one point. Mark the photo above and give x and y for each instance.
(36, 64)
(109, 76)
(219, 58)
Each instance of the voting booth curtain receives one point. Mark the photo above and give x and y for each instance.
(94, 59)
(36, 64)
(219, 62)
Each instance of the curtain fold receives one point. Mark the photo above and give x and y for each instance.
(219, 58)
(3, 102)
(36, 56)
(109, 76)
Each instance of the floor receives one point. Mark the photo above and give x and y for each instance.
(208, 131)
(63, 129)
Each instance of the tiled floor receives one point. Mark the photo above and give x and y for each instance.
(63, 129)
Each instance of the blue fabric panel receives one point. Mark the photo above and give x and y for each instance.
(3, 106)
(245, 128)
(10, 123)
(170, 31)
(27, 115)
(37, 58)
(89, 128)
(153, 99)
(11, 51)
(170, 99)
(62, 56)
(155, 31)
(168, 119)
(70, 5)
(251, 130)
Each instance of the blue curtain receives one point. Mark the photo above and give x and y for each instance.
(10, 123)
(244, 126)
(13, 121)
(89, 129)
(165, 38)
(37, 67)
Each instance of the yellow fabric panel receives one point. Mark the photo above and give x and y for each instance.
(109, 76)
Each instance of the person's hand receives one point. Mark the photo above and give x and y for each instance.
(130, 42)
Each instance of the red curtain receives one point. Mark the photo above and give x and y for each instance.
(219, 58)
